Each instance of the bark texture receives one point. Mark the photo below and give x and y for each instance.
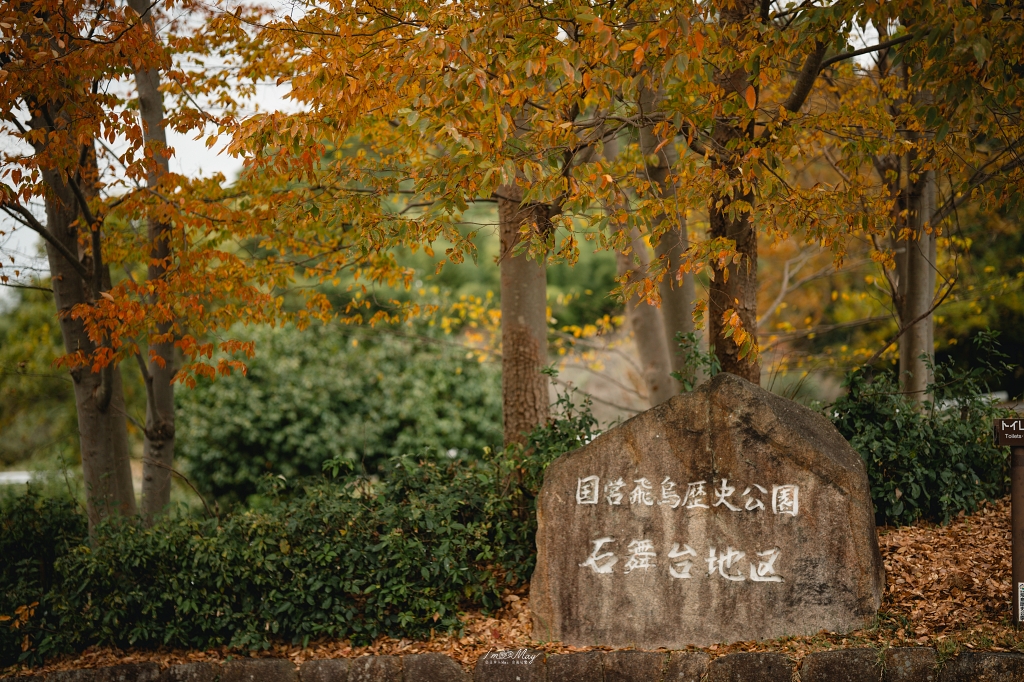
(648, 327)
(677, 295)
(644, 319)
(734, 287)
(102, 426)
(918, 290)
(524, 329)
(158, 447)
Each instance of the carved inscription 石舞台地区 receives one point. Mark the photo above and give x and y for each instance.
(642, 554)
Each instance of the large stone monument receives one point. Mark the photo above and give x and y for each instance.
(726, 514)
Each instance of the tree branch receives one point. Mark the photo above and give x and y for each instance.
(805, 81)
(823, 329)
(94, 230)
(24, 286)
(954, 202)
(865, 50)
(146, 376)
(30, 221)
(105, 391)
(917, 319)
(149, 460)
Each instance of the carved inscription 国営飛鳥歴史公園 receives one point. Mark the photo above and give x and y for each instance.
(785, 499)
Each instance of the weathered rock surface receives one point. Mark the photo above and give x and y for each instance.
(842, 665)
(625, 666)
(431, 668)
(751, 667)
(910, 664)
(259, 670)
(325, 670)
(376, 669)
(726, 514)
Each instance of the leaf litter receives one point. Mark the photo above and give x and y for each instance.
(946, 586)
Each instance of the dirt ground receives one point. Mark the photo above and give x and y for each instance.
(946, 586)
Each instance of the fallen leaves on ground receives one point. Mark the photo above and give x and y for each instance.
(946, 586)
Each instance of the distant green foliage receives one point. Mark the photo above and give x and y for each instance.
(353, 558)
(574, 427)
(928, 461)
(38, 418)
(329, 394)
(37, 407)
(696, 362)
(578, 293)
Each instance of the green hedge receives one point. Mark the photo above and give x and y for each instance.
(928, 460)
(353, 558)
(36, 534)
(335, 393)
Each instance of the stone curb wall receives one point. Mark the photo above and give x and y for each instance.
(909, 664)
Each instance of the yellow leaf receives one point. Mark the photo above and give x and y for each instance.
(751, 97)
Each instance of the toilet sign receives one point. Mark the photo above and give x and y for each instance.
(1010, 432)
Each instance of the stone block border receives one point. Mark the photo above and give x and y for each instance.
(899, 664)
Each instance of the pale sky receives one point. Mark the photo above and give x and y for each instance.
(191, 158)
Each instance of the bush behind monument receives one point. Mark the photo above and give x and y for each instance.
(931, 459)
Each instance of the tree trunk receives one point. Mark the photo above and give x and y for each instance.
(158, 448)
(524, 328)
(676, 295)
(648, 327)
(102, 426)
(915, 346)
(734, 288)
(645, 320)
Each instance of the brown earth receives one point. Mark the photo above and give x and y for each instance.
(946, 586)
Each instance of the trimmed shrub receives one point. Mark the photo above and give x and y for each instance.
(929, 460)
(35, 534)
(353, 558)
(330, 393)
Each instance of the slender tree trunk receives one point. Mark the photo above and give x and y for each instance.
(735, 288)
(102, 426)
(901, 190)
(524, 328)
(644, 319)
(648, 327)
(676, 294)
(915, 346)
(158, 448)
